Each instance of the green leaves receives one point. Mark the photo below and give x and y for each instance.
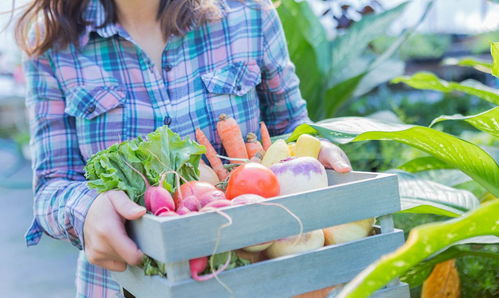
(427, 80)
(487, 121)
(482, 66)
(160, 152)
(494, 51)
(423, 242)
(419, 195)
(457, 153)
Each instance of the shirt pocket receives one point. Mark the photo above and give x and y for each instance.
(99, 116)
(231, 90)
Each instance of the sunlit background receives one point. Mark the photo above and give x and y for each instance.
(452, 29)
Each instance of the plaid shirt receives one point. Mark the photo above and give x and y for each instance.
(83, 99)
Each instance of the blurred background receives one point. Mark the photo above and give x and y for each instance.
(346, 53)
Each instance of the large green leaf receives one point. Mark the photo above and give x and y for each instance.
(424, 163)
(423, 242)
(309, 50)
(487, 121)
(467, 157)
(384, 72)
(350, 46)
(419, 195)
(427, 80)
(447, 177)
(494, 51)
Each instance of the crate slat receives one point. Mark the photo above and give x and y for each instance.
(359, 196)
(282, 277)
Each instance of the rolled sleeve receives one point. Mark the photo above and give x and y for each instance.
(61, 195)
(281, 104)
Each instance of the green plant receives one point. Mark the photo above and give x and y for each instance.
(422, 250)
(332, 71)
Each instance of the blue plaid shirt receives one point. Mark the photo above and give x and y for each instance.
(83, 99)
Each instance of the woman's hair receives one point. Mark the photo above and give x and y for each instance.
(59, 23)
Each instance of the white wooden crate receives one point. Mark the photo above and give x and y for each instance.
(350, 197)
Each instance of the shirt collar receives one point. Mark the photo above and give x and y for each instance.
(95, 15)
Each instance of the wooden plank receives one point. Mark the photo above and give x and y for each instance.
(282, 277)
(178, 271)
(254, 224)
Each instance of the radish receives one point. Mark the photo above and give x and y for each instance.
(184, 210)
(211, 196)
(215, 205)
(296, 244)
(192, 188)
(155, 197)
(247, 199)
(163, 211)
(300, 174)
(198, 265)
(190, 202)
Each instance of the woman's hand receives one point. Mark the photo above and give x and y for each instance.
(332, 157)
(106, 243)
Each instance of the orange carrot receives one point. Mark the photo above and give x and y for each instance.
(265, 136)
(232, 138)
(252, 145)
(211, 154)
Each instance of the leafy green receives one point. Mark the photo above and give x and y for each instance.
(218, 260)
(419, 195)
(423, 242)
(494, 51)
(427, 80)
(483, 66)
(459, 154)
(424, 163)
(161, 151)
(487, 121)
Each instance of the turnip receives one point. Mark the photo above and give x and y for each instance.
(258, 247)
(348, 232)
(155, 197)
(300, 174)
(296, 244)
(207, 174)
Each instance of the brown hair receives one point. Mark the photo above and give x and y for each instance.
(60, 23)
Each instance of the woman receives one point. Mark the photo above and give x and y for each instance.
(100, 72)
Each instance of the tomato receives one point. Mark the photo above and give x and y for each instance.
(192, 188)
(252, 178)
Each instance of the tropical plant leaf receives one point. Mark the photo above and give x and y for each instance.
(459, 154)
(449, 177)
(487, 121)
(423, 242)
(350, 46)
(483, 66)
(339, 94)
(494, 51)
(424, 163)
(419, 195)
(429, 81)
(384, 72)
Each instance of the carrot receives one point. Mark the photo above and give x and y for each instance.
(265, 136)
(211, 154)
(252, 145)
(232, 138)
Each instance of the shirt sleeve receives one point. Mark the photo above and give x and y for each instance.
(61, 195)
(281, 104)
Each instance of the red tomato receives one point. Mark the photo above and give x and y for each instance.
(192, 188)
(252, 178)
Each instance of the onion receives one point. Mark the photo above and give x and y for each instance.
(291, 245)
(300, 174)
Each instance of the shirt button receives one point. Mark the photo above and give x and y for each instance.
(168, 67)
(91, 109)
(167, 120)
(238, 88)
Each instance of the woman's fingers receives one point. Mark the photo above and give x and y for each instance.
(124, 206)
(331, 156)
(125, 247)
(112, 265)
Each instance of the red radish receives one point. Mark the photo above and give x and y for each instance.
(247, 199)
(211, 196)
(194, 188)
(189, 202)
(163, 211)
(216, 204)
(155, 197)
(198, 265)
(184, 210)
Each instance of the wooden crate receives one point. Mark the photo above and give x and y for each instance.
(350, 197)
